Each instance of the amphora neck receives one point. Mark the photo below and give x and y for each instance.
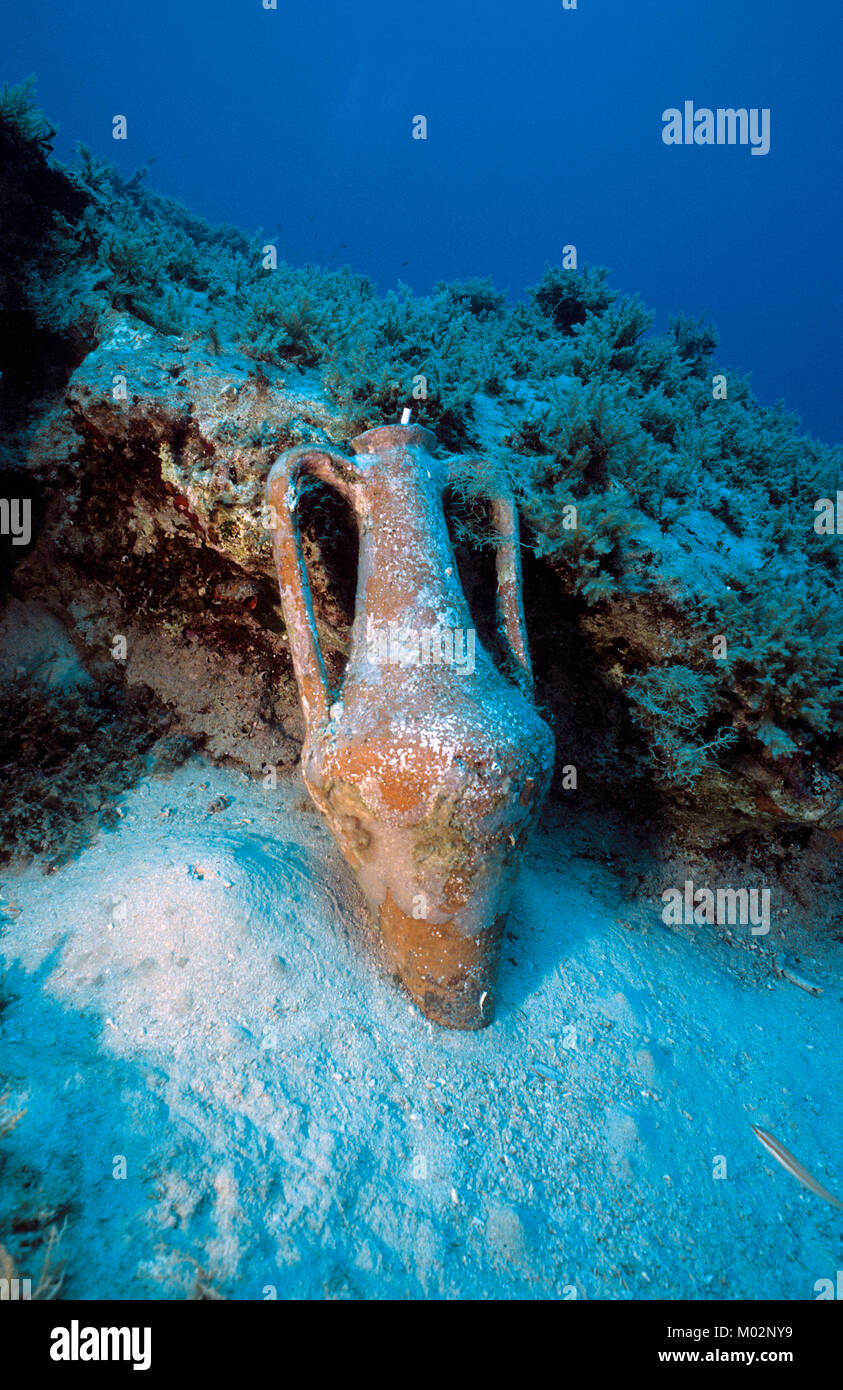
(407, 573)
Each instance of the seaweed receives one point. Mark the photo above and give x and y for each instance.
(672, 704)
(567, 297)
(18, 110)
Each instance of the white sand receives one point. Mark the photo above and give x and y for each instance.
(195, 993)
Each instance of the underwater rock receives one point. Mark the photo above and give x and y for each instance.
(684, 615)
(156, 531)
(155, 534)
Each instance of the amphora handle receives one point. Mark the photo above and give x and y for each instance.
(509, 598)
(296, 601)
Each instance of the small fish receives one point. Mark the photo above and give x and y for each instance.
(549, 1073)
(794, 1167)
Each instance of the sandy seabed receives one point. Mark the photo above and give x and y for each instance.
(195, 994)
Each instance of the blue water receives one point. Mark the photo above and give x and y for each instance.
(544, 129)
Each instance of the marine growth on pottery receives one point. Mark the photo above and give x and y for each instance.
(430, 765)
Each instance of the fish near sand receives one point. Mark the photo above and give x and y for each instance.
(794, 1167)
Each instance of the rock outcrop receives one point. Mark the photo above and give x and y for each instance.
(168, 368)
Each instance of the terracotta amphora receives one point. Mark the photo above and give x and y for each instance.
(430, 764)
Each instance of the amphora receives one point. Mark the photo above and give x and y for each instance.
(430, 764)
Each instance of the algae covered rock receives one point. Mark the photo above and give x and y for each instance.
(684, 612)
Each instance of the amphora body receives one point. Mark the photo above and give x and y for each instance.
(430, 765)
